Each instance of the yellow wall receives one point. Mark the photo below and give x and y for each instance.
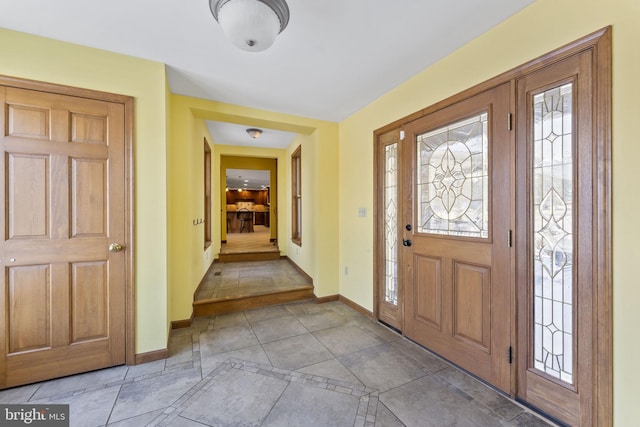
(540, 28)
(37, 58)
(188, 262)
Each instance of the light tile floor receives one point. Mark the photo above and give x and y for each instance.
(298, 364)
(256, 241)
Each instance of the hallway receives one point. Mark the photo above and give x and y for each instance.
(299, 364)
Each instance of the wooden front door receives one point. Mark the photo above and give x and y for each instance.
(457, 194)
(62, 185)
(470, 190)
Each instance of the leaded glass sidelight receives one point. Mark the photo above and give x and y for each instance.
(391, 223)
(453, 178)
(552, 192)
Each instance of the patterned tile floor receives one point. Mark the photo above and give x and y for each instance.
(298, 364)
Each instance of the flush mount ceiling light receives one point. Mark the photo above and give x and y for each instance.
(251, 25)
(254, 133)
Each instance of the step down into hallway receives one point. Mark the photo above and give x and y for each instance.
(248, 256)
(254, 246)
(239, 286)
(241, 303)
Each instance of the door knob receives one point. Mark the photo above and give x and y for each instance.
(406, 242)
(115, 247)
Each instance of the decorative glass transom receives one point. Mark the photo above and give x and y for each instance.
(391, 223)
(452, 179)
(552, 190)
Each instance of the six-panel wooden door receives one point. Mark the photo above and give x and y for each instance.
(62, 183)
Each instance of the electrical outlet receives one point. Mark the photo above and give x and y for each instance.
(362, 212)
(346, 271)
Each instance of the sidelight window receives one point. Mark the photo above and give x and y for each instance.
(552, 190)
(391, 223)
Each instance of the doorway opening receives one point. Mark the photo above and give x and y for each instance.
(250, 272)
(248, 201)
(248, 206)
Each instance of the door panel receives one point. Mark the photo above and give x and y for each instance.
(427, 299)
(28, 121)
(63, 186)
(28, 182)
(458, 266)
(29, 324)
(89, 298)
(471, 288)
(88, 129)
(89, 198)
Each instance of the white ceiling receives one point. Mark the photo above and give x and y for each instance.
(248, 179)
(232, 134)
(335, 57)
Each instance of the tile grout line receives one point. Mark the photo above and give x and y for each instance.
(179, 405)
(369, 398)
(113, 406)
(357, 390)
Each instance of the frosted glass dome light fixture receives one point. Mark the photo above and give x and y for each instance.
(251, 25)
(254, 133)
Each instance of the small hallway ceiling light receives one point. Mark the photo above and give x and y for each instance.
(251, 25)
(254, 133)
